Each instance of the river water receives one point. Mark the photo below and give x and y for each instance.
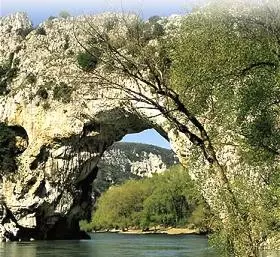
(113, 245)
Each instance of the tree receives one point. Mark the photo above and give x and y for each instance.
(166, 199)
(172, 200)
(121, 206)
(216, 81)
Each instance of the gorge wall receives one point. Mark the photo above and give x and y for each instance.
(124, 160)
(63, 122)
(63, 127)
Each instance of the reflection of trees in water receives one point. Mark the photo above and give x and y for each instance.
(18, 249)
(112, 245)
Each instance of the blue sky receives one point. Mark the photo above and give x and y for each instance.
(39, 10)
(149, 136)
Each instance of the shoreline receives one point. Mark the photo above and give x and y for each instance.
(166, 231)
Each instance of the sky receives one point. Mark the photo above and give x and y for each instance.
(149, 136)
(40, 10)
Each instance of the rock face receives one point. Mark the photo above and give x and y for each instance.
(64, 126)
(64, 121)
(123, 161)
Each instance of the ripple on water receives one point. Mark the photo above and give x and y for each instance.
(113, 245)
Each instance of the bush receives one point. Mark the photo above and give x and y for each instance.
(167, 199)
(66, 44)
(46, 106)
(51, 18)
(88, 60)
(62, 92)
(41, 31)
(31, 78)
(154, 19)
(23, 32)
(42, 93)
(7, 73)
(7, 149)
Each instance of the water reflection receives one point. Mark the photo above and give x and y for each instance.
(17, 249)
(113, 245)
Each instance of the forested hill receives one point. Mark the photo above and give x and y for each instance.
(124, 161)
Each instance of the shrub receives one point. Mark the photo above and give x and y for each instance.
(46, 106)
(167, 199)
(88, 60)
(62, 92)
(154, 19)
(42, 93)
(153, 30)
(66, 44)
(31, 78)
(7, 149)
(16, 61)
(41, 31)
(23, 32)
(111, 23)
(7, 73)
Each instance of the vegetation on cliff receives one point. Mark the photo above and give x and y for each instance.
(123, 161)
(7, 150)
(216, 80)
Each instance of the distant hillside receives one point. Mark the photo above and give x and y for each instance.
(124, 161)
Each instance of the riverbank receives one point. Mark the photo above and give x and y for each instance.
(168, 231)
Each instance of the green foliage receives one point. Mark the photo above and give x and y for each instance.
(41, 31)
(111, 23)
(67, 42)
(88, 60)
(42, 93)
(242, 237)
(8, 71)
(46, 106)
(167, 199)
(225, 65)
(121, 206)
(85, 226)
(62, 92)
(31, 78)
(23, 32)
(172, 201)
(118, 170)
(218, 76)
(153, 29)
(7, 150)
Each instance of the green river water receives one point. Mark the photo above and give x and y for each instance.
(113, 245)
(117, 245)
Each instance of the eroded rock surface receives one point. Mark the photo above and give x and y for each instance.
(123, 161)
(64, 121)
(64, 132)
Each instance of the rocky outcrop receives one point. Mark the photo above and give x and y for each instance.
(64, 121)
(67, 125)
(123, 161)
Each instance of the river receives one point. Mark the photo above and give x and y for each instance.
(113, 245)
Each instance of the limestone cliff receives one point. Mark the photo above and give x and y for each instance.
(63, 121)
(123, 161)
(63, 124)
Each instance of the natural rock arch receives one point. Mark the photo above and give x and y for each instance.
(69, 124)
